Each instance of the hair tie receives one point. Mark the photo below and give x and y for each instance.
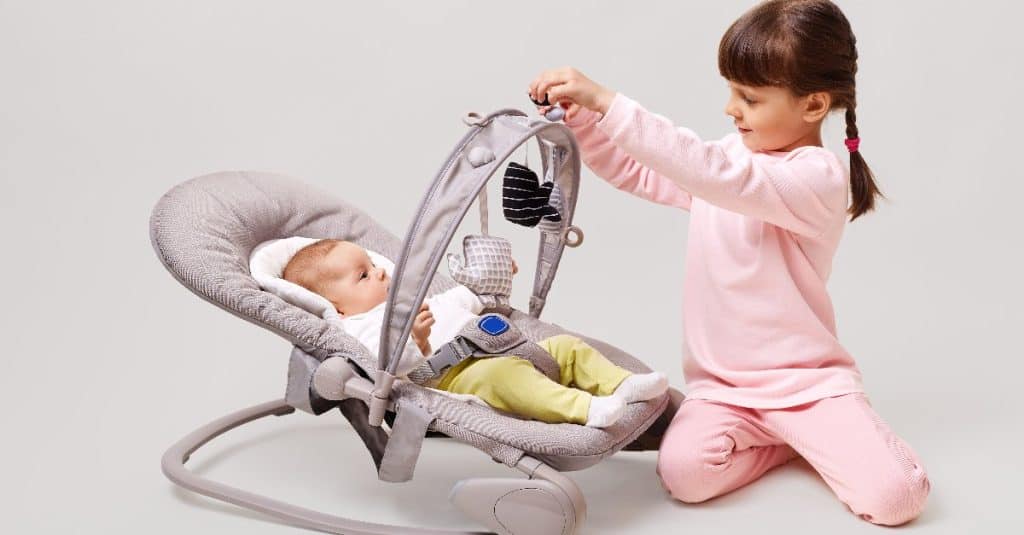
(852, 144)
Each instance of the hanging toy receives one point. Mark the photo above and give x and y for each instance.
(485, 267)
(525, 201)
(556, 113)
(553, 224)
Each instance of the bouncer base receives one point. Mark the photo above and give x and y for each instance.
(546, 504)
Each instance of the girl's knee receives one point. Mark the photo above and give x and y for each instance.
(897, 500)
(678, 474)
(684, 471)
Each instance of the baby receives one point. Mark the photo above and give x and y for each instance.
(343, 273)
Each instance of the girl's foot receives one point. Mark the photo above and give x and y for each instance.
(605, 411)
(642, 387)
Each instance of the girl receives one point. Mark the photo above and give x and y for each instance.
(768, 379)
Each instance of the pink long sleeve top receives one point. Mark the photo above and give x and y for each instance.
(758, 321)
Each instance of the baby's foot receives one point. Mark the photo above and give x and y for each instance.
(642, 387)
(605, 410)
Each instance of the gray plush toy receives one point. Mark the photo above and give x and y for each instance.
(485, 268)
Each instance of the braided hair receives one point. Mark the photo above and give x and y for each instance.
(806, 46)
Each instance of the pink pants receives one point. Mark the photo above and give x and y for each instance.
(712, 448)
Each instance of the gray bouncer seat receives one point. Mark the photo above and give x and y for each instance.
(204, 231)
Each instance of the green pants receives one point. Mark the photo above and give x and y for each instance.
(514, 385)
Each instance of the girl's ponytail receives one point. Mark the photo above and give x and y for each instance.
(862, 181)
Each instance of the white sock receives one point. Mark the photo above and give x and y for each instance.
(642, 387)
(605, 410)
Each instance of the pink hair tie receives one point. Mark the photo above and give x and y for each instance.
(852, 144)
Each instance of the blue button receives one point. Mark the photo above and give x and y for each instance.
(492, 325)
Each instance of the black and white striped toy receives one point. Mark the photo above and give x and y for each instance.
(525, 200)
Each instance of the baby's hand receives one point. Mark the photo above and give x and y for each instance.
(515, 267)
(421, 329)
(570, 89)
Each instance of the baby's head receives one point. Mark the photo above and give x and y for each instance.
(342, 273)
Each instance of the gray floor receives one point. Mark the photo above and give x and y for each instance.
(106, 105)
(317, 462)
(623, 493)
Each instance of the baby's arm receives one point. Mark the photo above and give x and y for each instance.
(620, 169)
(421, 329)
(802, 194)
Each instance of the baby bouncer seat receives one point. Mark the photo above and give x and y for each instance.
(204, 231)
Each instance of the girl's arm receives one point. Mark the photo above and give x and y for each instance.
(619, 169)
(802, 193)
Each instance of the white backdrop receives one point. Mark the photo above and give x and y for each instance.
(105, 105)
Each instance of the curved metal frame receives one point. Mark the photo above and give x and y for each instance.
(398, 315)
(439, 215)
(467, 493)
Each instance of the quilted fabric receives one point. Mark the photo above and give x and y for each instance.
(485, 268)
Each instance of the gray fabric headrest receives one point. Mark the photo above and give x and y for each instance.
(204, 231)
(267, 265)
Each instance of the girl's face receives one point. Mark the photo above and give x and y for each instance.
(772, 119)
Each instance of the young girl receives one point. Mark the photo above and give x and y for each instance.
(768, 379)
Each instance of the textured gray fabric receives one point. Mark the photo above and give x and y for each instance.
(564, 447)
(445, 204)
(425, 372)
(301, 367)
(564, 161)
(473, 342)
(405, 442)
(484, 267)
(203, 231)
(555, 161)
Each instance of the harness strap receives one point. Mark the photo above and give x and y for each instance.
(405, 442)
(482, 199)
(492, 336)
(450, 354)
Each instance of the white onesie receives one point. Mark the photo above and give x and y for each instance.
(452, 309)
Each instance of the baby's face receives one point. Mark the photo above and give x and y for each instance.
(350, 280)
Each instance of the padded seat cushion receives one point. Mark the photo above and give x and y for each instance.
(204, 231)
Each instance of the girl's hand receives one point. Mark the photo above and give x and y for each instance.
(421, 329)
(571, 90)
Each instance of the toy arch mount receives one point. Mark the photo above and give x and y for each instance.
(203, 232)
